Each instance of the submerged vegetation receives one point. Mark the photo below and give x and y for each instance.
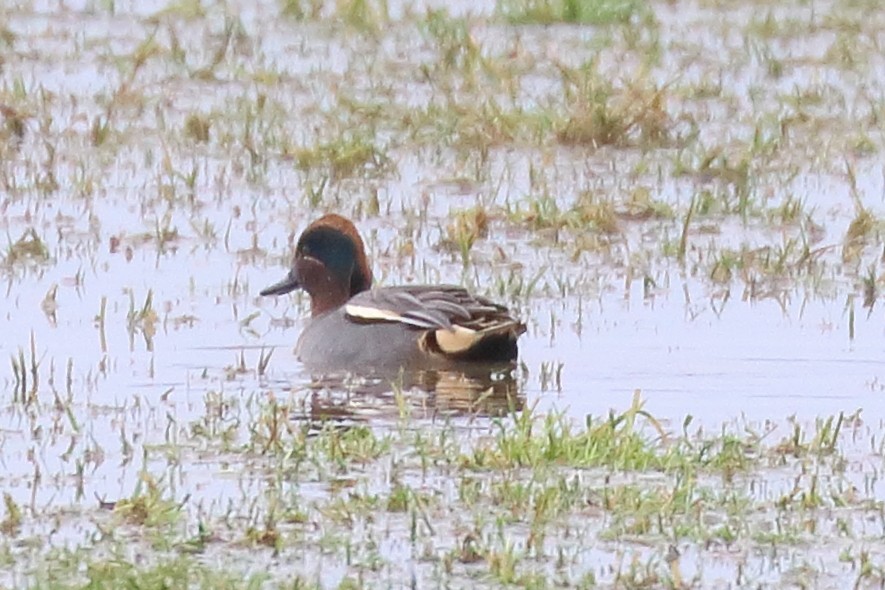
(682, 199)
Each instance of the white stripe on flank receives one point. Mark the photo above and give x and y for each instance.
(365, 312)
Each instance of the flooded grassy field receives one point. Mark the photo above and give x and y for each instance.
(683, 200)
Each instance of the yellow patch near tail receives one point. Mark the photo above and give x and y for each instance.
(456, 340)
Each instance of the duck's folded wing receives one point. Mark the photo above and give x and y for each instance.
(422, 306)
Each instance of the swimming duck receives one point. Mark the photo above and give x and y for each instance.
(355, 326)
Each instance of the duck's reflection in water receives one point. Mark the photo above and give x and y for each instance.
(465, 391)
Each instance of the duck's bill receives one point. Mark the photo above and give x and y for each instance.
(287, 285)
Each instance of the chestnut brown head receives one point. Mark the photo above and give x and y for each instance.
(330, 264)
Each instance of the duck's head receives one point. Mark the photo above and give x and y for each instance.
(330, 264)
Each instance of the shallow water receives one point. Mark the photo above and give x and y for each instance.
(197, 229)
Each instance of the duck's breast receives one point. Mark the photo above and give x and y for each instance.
(333, 342)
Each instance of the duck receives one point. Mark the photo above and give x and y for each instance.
(356, 326)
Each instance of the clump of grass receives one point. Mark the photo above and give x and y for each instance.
(182, 9)
(147, 506)
(724, 266)
(13, 129)
(358, 445)
(28, 249)
(365, 15)
(735, 173)
(12, 521)
(858, 235)
(343, 157)
(475, 126)
(302, 10)
(266, 533)
(180, 571)
(588, 212)
(763, 54)
(822, 440)
(617, 442)
(7, 37)
(870, 288)
(587, 12)
(790, 212)
(598, 113)
(142, 320)
(848, 51)
(641, 206)
(196, 128)
(467, 226)
(542, 212)
(457, 48)
(368, 16)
